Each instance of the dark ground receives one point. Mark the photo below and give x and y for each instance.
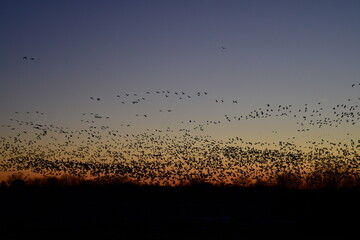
(197, 212)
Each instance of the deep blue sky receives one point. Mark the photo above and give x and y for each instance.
(277, 52)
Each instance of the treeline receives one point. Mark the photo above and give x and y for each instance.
(323, 180)
(126, 209)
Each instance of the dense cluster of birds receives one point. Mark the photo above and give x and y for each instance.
(172, 156)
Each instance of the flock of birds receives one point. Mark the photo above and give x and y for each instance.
(306, 115)
(173, 156)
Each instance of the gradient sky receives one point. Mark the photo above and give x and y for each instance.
(277, 52)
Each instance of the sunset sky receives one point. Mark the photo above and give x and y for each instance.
(246, 53)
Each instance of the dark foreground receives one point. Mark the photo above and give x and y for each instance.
(198, 212)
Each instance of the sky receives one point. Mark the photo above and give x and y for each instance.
(252, 52)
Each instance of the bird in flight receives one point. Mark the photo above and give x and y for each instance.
(26, 58)
(223, 48)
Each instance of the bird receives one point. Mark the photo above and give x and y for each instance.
(153, 153)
